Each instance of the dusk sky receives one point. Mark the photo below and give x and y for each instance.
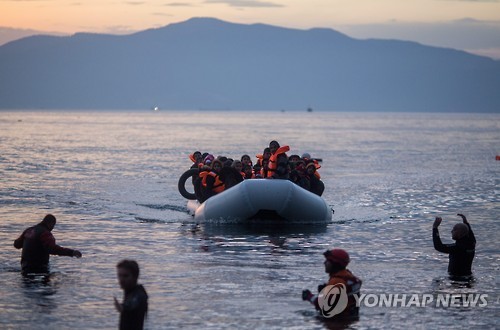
(472, 25)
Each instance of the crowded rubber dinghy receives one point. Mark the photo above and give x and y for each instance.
(212, 175)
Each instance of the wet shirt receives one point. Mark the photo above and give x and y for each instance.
(38, 244)
(461, 253)
(135, 308)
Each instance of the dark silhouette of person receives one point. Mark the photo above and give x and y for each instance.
(38, 244)
(134, 308)
(461, 253)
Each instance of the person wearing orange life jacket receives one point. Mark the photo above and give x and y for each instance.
(264, 156)
(276, 152)
(316, 186)
(211, 182)
(195, 157)
(248, 171)
(335, 265)
(307, 158)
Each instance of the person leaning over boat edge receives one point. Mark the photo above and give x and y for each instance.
(462, 252)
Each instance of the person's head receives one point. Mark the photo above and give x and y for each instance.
(294, 158)
(273, 146)
(128, 273)
(197, 156)
(216, 165)
(257, 167)
(247, 169)
(245, 159)
(336, 260)
(208, 159)
(266, 154)
(222, 159)
(306, 156)
(460, 230)
(49, 221)
(310, 168)
(237, 165)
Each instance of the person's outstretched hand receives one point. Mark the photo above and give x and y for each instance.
(306, 295)
(464, 219)
(437, 222)
(77, 254)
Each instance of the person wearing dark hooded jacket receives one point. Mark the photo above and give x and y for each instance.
(38, 244)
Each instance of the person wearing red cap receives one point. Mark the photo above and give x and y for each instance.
(336, 261)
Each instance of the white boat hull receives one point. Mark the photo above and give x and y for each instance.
(253, 198)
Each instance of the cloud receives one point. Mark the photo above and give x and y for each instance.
(246, 3)
(134, 3)
(467, 33)
(179, 4)
(161, 14)
(473, 0)
(118, 29)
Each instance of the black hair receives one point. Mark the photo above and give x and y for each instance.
(274, 142)
(267, 150)
(130, 265)
(49, 218)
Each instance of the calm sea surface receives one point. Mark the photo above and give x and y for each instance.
(111, 180)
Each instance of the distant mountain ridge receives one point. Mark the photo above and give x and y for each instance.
(206, 63)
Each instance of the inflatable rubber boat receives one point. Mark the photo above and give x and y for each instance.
(263, 200)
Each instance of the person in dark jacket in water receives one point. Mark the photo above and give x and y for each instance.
(461, 253)
(134, 308)
(38, 244)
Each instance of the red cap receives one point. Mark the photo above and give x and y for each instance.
(337, 256)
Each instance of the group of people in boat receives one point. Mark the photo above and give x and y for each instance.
(217, 174)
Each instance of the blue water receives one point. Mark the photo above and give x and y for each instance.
(111, 178)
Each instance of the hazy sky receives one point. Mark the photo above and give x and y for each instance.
(464, 24)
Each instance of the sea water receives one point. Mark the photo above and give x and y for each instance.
(111, 180)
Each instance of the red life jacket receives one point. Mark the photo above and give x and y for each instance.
(273, 159)
(218, 184)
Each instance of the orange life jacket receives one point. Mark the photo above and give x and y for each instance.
(272, 160)
(353, 286)
(218, 184)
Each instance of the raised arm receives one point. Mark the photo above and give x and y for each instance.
(471, 233)
(438, 245)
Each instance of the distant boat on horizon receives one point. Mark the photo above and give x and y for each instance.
(309, 109)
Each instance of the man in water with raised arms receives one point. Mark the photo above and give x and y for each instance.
(38, 244)
(461, 253)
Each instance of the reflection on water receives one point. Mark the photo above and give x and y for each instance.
(111, 179)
